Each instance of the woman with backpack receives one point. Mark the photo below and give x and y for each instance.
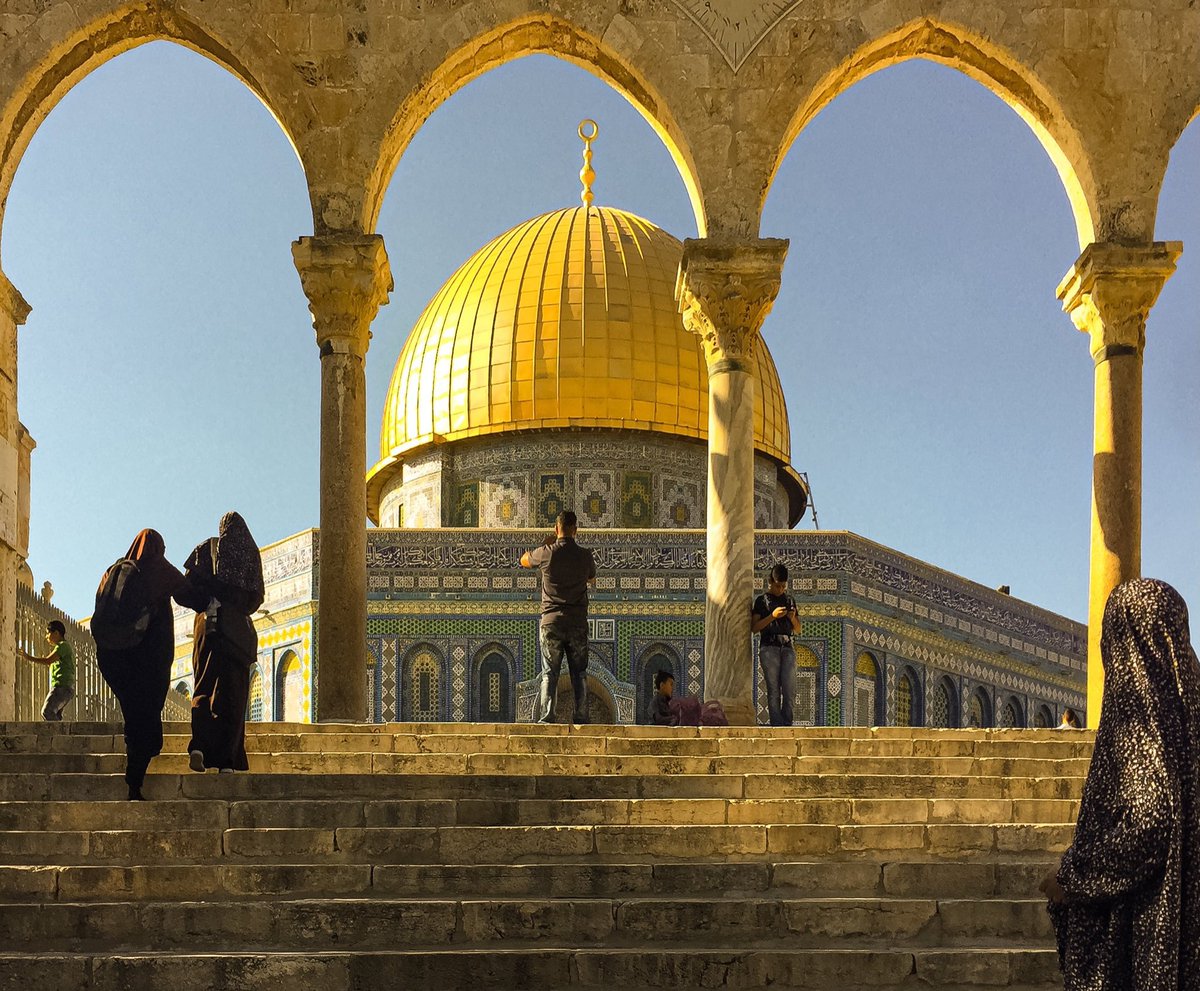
(135, 643)
(224, 585)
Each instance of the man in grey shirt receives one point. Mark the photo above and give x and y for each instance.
(567, 571)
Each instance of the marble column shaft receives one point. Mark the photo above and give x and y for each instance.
(346, 279)
(13, 313)
(1109, 293)
(726, 288)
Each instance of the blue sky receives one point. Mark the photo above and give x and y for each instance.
(940, 400)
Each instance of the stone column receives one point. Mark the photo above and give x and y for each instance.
(725, 289)
(1108, 293)
(13, 313)
(346, 279)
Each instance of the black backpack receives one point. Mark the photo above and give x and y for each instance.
(121, 616)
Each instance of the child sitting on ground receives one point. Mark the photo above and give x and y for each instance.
(662, 713)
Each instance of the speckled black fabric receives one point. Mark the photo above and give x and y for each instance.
(1131, 922)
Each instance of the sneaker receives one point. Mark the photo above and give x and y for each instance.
(196, 761)
(227, 770)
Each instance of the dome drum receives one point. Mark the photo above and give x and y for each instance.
(621, 479)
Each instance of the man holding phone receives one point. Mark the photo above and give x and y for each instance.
(774, 619)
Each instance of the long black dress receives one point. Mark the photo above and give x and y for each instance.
(229, 570)
(1132, 875)
(140, 676)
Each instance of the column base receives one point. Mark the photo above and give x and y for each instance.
(738, 713)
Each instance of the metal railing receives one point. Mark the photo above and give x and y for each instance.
(94, 700)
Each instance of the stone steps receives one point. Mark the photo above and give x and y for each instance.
(939, 880)
(427, 856)
(340, 813)
(511, 844)
(632, 969)
(69, 786)
(387, 923)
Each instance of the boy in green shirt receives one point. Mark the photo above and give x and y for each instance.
(61, 661)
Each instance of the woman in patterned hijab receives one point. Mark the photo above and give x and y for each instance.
(224, 585)
(1126, 898)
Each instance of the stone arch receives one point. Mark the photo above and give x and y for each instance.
(653, 658)
(529, 34)
(289, 688)
(979, 713)
(866, 694)
(46, 76)
(1012, 713)
(806, 700)
(942, 708)
(493, 685)
(997, 70)
(1043, 718)
(423, 685)
(910, 710)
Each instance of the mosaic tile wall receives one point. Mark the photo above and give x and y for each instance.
(458, 591)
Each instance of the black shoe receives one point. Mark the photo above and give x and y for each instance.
(135, 795)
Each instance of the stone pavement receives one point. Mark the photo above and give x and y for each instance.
(454, 856)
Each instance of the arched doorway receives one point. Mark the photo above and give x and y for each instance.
(421, 685)
(289, 688)
(601, 709)
(808, 676)
(1043, 718)
(866, 683)
(492, 696)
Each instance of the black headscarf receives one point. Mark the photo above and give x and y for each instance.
(1132, 876)
(231, 561)
(237, 560)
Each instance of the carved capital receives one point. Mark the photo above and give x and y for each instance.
(346, 279)
(12, 302)
(1110, 290)
(725, 290)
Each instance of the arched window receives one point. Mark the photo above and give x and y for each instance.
(866, 680)
(1012, 714)
(943, 707)
(657, 658)
(254, 709)
(808, 673)
(979, 710)
(904, 700)
(493, 695)
(1042, 718)
(289, 688)
(422, 686)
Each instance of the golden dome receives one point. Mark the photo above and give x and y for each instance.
(567, 320)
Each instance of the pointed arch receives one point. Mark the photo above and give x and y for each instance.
(530, 34)
(493, 684)
(987, 64)
(51, 74)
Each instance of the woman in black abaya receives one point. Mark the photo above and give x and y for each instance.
(1126, 898)
(224, 585)
(140, 676)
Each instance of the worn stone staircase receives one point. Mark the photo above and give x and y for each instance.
(467, 856)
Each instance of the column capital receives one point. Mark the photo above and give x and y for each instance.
(12, 302)
(1110, 290)
(346, 278)
(726, 288)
